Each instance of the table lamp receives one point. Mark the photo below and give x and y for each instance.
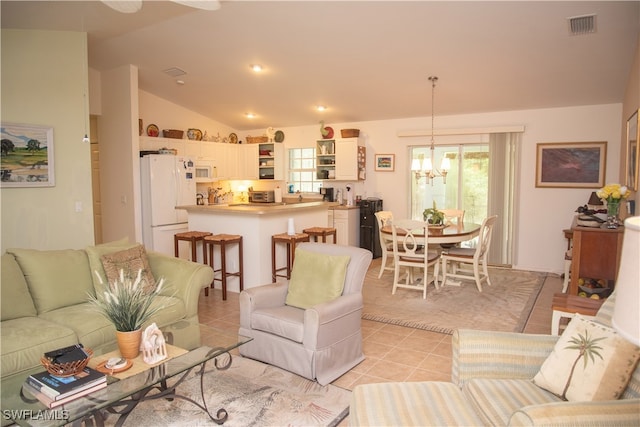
(626, 312)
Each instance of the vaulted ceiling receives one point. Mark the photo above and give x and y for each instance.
(364, 60)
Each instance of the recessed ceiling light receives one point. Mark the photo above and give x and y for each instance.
(180, 82)
(256, 67)
(250, 115)
(321, 108)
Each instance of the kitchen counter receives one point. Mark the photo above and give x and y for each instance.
(256, 223)
(257, 208)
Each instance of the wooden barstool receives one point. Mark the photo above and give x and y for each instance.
(290, 241)
(223, 240)
(317, 232)
(193, 237)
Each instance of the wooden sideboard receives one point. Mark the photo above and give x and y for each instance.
(596, 254)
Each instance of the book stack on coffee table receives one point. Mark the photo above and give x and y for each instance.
(54, 391)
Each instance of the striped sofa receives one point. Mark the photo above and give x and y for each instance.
(491, 385)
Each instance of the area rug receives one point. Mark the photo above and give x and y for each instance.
(504, 306)
(253, 394)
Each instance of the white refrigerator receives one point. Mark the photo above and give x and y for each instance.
(166, 181)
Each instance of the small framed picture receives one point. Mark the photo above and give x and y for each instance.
(385, 162)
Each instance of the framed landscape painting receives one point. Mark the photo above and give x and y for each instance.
(571, 164)
(27, 156)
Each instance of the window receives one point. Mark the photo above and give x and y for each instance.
(302, 170)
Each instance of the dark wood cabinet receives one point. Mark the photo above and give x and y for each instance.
(596, 254)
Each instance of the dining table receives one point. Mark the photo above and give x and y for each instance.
(451, 233)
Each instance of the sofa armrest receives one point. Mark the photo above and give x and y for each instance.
(623, 412)
(183, 279)
(488, 354)
(324, 323)
(266, 296)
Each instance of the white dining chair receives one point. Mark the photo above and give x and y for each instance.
(453, 216)
(410, 251)
(475, 256)
(386, 241)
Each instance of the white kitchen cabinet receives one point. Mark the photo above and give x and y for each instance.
(193, 148)
(350, 155)
(341, 159)
(271, 161)
(247, 159)
(225, 160)
(346, 223)
(148, 143)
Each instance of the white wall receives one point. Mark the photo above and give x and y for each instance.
(44, 82)
(542, 213)
(167, 115)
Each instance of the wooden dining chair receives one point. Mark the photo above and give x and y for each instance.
(474, 256)
(386, 241)
(410, 251)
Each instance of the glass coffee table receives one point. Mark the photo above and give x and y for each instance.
(203, 344)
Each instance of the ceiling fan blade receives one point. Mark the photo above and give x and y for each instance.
(124, 6)
(200, 4)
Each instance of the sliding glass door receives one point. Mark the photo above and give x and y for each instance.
(467, 182)
(481, 181)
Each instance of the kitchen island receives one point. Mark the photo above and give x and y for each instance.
(256, 223)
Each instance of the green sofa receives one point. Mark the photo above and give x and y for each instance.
(44, 301)
(491, 386)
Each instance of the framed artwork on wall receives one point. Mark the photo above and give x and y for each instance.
(27, 156)
(385, 162)
(633, 155)
(571, 164)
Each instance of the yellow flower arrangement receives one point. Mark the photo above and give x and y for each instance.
(613, 193)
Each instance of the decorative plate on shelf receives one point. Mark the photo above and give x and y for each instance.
(233, 138)
(194, 134)
(279, 136)
(329, 131)
(152, 130)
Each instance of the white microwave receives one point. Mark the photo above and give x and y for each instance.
(205, 171)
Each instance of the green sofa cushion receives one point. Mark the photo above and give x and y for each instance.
(55, 278)
(95, 254)
(26, 339)
(15, 299)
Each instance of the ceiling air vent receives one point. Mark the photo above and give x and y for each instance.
(582, 24)
(174, 72)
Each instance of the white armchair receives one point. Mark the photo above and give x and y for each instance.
(319, 343)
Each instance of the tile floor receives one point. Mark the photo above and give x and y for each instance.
(393, 353)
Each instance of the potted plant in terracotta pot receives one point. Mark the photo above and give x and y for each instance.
(127, 304)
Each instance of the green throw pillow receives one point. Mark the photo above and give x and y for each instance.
(316, 278)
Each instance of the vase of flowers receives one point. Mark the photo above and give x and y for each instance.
(612, 195)
(128, 306)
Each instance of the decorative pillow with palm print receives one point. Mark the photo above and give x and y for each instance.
(589, 362)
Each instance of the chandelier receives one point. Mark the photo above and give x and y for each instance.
(423, 167)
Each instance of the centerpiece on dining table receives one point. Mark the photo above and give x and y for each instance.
(434, 217)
